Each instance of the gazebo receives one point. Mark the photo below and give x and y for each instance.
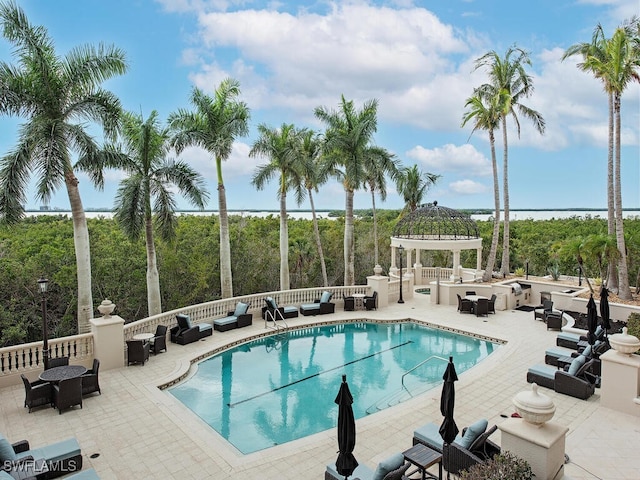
(433, 227)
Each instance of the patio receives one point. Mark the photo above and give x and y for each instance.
(138, 430)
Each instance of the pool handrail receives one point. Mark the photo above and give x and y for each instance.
(419, 365)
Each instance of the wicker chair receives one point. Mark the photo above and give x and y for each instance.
(481, 307)
(159, 341)
(554, 320)
(540, 313)
(492, 303)
(349, 304)
(464, 305)
(58, 362)
(90, 379)
(36, 393)
(371, 303)
(137, 351)
(67, 393)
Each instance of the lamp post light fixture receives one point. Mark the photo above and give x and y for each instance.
(43, 283)
(579, 276)
(400, 249)
(527, 271)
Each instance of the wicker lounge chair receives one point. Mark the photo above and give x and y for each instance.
(551, 355)
(393, 468)
(36, 393)
(90, 382)
(573, 340)
(235, 318)
(67, 393)
(371, 302)
(320, 306)
(269, 310)
(578, 381)
(62, 457)
(137, 351)
(185, 333)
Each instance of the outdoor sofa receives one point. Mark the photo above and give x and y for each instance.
(235, 318)
(471, 446)
(392, 468)
(185, 333)
(578, 381)
(320, 306)
(62, 457)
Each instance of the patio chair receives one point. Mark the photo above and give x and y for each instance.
(349, 304)
(269, 310)
(185, 333)
(470, 292)
(36, 393)
(371, 302)
(320, 306)
(464, 305)
(58, 362)
(62, 457)
(492, 303)
(159, 340)
(481, 307)
(392, 468)
(551, 355)
(540, 313)
(573, 340)
(578, 381)
(90, 382)
(554, 320)
(235, 318)
(67, 393)
(137, 351)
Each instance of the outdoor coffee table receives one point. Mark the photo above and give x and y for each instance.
(424, 457)
(359, 300)
(54, 375)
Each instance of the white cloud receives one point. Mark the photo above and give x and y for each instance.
(451, 158)
(467, 187)
(238, 164)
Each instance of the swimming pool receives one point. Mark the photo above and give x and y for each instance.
(282, 387)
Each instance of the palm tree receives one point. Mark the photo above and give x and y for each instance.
(603, 248)
(413, 185)
(347, 145)
(485, 112)
(379, 164)
(281, 147)
(151, 177)
(511, 83)
(575, 248)
(214, 125)
(57, 95)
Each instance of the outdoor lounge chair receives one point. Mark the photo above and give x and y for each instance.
(235, 318)
(62, 457)
(470, 447)
(269, 310)
(185, 333)
(67, 393)
(571, 340)
(36, 393)
(551, 355)
(392, 468)
(90, 379)
(137, 351)
(540, 313)
(320, 306)
(159, 340)
(371, 302)
(578, 381)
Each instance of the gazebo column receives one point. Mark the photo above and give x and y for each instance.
(417, 269)
(393, 268)
(456, 265)
(479, 258)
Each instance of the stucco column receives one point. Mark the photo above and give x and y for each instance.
(380, 284)
(108, 338)
(456, 265)
(620, 388)
(479, 259)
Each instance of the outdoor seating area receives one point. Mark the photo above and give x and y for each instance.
(392, 468)
(61, 458)
(577, 381)
(272, 311)
(321, 306)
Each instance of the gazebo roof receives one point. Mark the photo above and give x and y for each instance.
(433, 222)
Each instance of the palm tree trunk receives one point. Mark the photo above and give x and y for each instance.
(316, 232)
(226, 278)
(154, 300)
(491, 260)
(284, 244)
(624, 292)
(375, 227)
(612, 274)
(83, 253)
(504, 268)
(349, 275)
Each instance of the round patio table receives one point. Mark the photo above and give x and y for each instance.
(145, 337)
(62, 373)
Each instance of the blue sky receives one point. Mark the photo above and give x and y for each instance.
(415, 57)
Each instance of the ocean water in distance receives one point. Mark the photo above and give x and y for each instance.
(514, 214)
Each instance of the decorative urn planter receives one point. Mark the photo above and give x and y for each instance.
(534, 407)
(377, 270)
(624, 343)
(106, 308)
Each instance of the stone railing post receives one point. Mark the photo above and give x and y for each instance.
(380, 284)
(620, 374)
(108, 337)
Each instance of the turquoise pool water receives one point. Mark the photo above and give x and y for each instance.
(280, 388)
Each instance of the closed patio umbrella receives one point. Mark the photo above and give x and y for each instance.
(448, 428)
(346, 462)
(604, 309)
(592, 320)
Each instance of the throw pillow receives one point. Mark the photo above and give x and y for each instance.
(472, 432)
(241, 309)
(392, 463)
(6, 450)
(326, 296)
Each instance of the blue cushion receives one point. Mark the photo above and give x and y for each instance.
(203, 327)
(224, 321)
(5, 476)
(388, 465)
(310, 306)
(362, 472)
(472, 432)
(241, 309)
(546, 371)
(326, 296)
(291, 309)
(571, 337)
(56, 451)
(271, 303)
(576, 364)
(6, 450)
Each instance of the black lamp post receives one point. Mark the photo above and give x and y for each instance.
(43, 283)
(400, 249)
(579, 276)
(527, 272)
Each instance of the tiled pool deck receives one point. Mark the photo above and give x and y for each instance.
(141, 432)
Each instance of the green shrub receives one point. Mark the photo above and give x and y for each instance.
(519, 272)
(554, 271)
(633, 324)
(505, 466)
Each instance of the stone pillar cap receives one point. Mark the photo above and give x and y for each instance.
(534, 407)
(624, 343)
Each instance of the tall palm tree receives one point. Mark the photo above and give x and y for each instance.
(57, 95)
(485, 113)
(379, 164)
(509, 80)
(281, 147)
(347, 145)
(575, 248)
(314, 176)
(152, 177)
(413, 185)
(603, 247)
(214, 125)
(594, 56)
